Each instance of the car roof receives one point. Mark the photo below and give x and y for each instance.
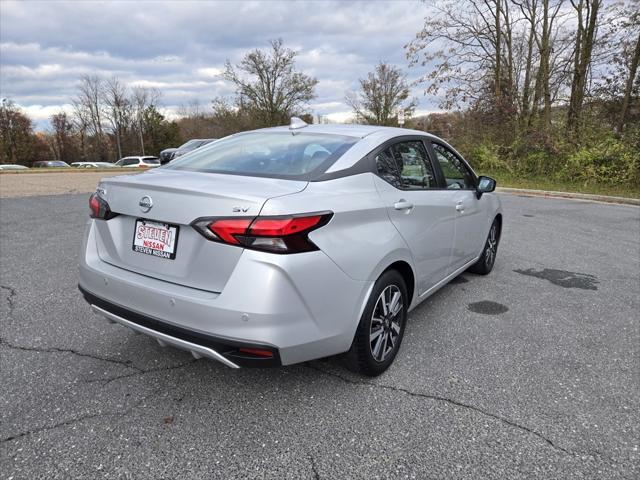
(351, 130)
(370, 137)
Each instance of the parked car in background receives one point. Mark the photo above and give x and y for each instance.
(170, 153)
(51, 164)
(138, 162)
(268, 248)
(93, 165)
(13, 166)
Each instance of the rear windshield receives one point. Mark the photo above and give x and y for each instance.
(298, 155)
(190, 144)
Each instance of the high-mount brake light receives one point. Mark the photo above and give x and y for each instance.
(270, 234)
(99, 208)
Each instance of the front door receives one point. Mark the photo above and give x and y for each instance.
(471, 221)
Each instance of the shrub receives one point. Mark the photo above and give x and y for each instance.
(611, 161)
(486, 156)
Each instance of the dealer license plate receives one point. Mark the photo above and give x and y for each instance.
(155, 238)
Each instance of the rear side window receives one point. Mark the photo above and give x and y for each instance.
(406, 165)
(295, 155)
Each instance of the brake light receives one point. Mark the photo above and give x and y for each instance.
(99, 208)
(271, 234)
(225, 229)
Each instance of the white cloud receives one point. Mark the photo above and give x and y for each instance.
(181, 48)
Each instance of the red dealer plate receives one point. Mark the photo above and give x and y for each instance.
(155, 238)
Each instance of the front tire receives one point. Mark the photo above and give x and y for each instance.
(381, 328)
(485, 263)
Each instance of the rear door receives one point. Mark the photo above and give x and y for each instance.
(470, 219)
(417, 206)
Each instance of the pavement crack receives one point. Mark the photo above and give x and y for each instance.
(450, 401)
(124, 363)
(314, 467)
(11, 298)
(81, 418)
(140, 371)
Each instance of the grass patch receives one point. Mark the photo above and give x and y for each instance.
(506, 179)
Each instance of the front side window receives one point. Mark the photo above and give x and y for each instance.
(270, 154)
(456, 174)
(406, 165)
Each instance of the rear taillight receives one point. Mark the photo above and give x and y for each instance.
(99, 208)
(271, 234)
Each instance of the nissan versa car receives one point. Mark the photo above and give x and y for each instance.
(288, 244)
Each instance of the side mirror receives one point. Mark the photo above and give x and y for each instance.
(485, 185)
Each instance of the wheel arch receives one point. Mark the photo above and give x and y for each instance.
(498, 217)
(405, 270)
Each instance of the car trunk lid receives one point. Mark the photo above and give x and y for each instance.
(178, 198)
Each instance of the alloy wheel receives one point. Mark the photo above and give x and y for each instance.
(492, 246)
(386, 322)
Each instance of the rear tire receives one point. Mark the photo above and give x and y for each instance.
(381, 328)
(485, 263)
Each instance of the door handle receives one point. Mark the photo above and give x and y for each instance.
(460, 207)
(402, 204)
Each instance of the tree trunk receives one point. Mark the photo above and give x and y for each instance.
(543, 71)
(629, 87)
(498, 72)
(526, 87)
(585, 39)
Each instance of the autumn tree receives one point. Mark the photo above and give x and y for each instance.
(268, 85)
(382, 94)
(16, 134)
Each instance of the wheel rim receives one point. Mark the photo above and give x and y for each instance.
(386, 323)
(492, 246)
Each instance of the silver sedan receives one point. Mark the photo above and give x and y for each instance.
(289, 244)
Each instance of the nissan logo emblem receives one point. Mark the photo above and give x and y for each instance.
(145, 204)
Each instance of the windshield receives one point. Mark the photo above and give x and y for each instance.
(268, 154)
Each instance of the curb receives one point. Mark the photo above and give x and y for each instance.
(570, 195)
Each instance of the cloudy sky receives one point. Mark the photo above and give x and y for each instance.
(180, 47)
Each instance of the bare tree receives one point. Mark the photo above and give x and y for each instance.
(382, 93)
(62, 136)
(268, 85)
(468, 43)
(82, 121)
(88, 108)
(117, 108)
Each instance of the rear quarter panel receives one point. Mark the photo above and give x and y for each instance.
(360, 238)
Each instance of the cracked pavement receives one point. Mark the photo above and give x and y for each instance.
(546, 387)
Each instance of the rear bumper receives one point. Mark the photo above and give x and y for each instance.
(199, 344)
(300, 307)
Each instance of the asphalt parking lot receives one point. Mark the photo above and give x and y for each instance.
(531, 372)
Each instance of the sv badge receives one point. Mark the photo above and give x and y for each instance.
(240, 209)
